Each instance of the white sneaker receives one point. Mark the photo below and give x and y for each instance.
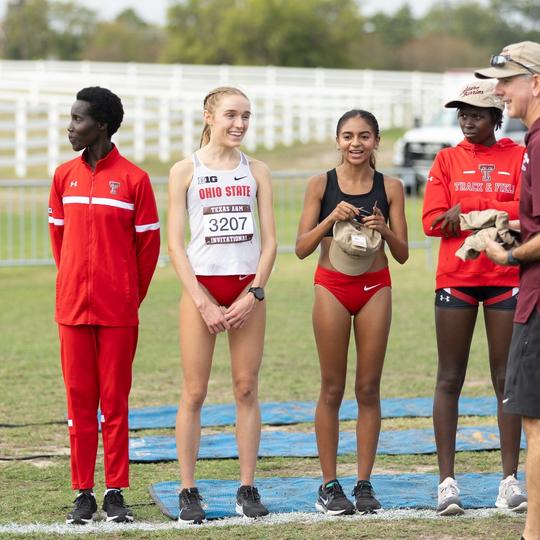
(511, 495)
(449, 503)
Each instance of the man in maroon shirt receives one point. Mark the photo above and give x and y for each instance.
(517, 69)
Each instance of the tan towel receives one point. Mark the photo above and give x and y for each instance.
(491, 224)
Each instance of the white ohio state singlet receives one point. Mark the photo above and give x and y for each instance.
(221, 207)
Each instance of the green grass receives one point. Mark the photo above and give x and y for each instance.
(32, 389)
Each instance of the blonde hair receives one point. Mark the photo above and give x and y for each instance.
(210, 103)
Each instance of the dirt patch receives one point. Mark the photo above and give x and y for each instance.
(42, 463)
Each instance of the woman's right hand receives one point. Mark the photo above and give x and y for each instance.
(344, 211)
(214, 317)
(449, 221)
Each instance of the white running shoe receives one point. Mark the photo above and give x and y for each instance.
(449, 503)
(511, 496)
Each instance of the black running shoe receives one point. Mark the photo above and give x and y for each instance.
(365, 497)
(191, 505)
(248, 502)
(84, 509)
(115, 507)
(332, 500)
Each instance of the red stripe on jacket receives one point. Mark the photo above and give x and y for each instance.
(104, 230)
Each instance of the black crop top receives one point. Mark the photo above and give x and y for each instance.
(333, 195)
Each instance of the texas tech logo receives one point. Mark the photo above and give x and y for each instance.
(114, 187)
(486, 171)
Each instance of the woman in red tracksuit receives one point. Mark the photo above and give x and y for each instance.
(479, 173)
(105, 241)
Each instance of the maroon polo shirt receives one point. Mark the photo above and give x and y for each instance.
(529, 216)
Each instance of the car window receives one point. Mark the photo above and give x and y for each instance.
(514, 124)
(446, 118)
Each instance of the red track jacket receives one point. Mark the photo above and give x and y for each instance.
(479, 177)
(104, 232)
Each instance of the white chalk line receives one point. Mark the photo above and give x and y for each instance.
(274, 519)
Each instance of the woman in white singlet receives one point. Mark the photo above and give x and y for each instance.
(223, 273)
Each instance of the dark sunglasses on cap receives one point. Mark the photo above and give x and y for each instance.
(500, 60)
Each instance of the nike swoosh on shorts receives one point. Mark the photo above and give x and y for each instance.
(366, 288)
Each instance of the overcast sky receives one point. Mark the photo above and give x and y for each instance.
(154, 10)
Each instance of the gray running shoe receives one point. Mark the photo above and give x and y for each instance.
(332, 500)
(191, 506)
(248, 502)
(511, 496)
(366, 503)
(449, 503)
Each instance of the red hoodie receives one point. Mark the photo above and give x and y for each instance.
(479, 177)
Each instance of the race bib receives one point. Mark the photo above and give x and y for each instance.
(227, 224)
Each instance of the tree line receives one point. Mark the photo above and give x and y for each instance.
(307, 33)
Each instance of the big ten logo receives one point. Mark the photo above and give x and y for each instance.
(207, 179)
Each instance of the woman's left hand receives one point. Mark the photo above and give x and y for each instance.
(238, 312)
(376, 221)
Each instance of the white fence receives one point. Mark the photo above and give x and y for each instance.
(163, 105)
(24, 236)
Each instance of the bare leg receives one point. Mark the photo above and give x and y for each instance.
(196, 350)
(246, 345)
(332, 327)
(455, 329)
(532, 432)
(499, 333)
(371, 329)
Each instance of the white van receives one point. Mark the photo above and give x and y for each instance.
(418, 147)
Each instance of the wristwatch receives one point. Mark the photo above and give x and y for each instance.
(511, 260)
(258, 293)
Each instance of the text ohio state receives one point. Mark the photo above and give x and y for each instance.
(227, 191)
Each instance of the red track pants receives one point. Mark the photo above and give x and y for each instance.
(96, 364)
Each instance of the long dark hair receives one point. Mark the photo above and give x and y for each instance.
(369, 118)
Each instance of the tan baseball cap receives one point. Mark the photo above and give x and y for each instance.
(477, 94)
(353, 247)
(516, 59)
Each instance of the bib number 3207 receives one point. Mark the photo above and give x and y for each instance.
(228, 224)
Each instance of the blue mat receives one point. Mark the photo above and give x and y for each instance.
(303, 444)
(299, 494)
(294, 412)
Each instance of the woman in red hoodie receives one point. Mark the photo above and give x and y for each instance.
(479, 173)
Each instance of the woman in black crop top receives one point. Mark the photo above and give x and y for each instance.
(361, 290)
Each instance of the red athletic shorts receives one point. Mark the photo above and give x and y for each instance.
(225, 289)
(353, 291)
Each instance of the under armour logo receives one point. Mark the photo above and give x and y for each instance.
(73, 183)
(486, 171)
(443, 298)
(114, 187)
